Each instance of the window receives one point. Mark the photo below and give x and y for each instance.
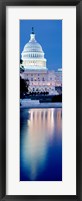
(43, 79)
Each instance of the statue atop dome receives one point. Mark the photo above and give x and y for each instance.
(32, 30)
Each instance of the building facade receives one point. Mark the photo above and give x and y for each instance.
(40, 78)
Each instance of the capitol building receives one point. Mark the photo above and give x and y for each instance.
(35, 69)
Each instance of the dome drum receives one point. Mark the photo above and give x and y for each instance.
(33, 55)
(35, 63)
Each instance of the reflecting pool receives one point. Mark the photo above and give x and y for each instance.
(41, 144)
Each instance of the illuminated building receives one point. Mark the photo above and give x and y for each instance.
(40, 78)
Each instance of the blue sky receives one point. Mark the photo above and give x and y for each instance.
(49, 35)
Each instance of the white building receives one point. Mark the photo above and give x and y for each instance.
(58, 78)
(36, 71)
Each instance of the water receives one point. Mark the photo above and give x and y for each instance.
(41, 144)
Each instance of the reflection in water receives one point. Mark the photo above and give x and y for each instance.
(41, 144)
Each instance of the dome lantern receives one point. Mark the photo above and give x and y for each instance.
(32, 36)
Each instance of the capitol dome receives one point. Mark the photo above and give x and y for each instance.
(33, 55)
(32, 46)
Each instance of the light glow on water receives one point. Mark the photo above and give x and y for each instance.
(41, 144)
